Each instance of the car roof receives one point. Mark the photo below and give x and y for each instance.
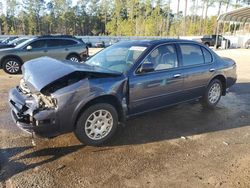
(57, 36)
(61, 37)
(157, 42)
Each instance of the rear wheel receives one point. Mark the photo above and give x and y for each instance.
(213, 94)
(12, 66)
(97, 124)
(74, 58)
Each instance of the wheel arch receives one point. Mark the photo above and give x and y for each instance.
(73, 53)
(10, 56)
(109, 99)
(207, 43)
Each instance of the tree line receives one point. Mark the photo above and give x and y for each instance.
(112, 17)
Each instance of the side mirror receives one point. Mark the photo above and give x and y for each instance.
(146, 67)
(29, 48)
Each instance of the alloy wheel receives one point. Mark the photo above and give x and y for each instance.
(12, 66)
(99, 124)
(214, 93)
(75, 59)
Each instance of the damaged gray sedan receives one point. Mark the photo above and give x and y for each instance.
(129, 78)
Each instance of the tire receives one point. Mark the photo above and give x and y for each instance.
(12, 66)
(207, 45)
(89, 127)
(74, 58)
(210, 99)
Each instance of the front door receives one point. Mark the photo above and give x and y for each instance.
(160, 87)
(38, 49)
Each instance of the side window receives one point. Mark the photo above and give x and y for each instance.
(163, 57)
(207, 55)
(68, 42)
(191, 54)
(37, 44)
(54, 43)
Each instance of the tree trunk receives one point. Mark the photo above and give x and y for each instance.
(193, 11)
(196, 16)
(202, 14)
(185, 19)
(205, 20)
(219, 8)
(178, 7)
(227, 5)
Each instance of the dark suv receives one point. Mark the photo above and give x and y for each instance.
(58, 47)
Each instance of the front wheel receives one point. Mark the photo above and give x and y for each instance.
(97, 124)
(12, 66)
(74, 58)
(207, 45)
(213, 94)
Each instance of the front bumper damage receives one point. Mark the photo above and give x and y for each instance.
(29, 117)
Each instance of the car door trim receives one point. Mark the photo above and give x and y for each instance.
(155, 96)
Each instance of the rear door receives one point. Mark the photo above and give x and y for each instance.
(159, 88)
(198, 68)
(60, 48)
(56, 49)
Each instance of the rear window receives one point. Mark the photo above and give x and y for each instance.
(207, 36)
(191, 54)
(68, 42)
(207, 55)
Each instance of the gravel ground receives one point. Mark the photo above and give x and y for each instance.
(184, 146)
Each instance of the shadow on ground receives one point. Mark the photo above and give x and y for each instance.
(12, 167)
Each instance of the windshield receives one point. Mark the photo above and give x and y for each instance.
(18, 41)
(24, 43)
(119, 57)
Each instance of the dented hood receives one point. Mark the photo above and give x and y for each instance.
(40, 72)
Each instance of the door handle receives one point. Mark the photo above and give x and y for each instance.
(211, 70)
(177, 75)
(45, 50)
(66, 49)
(154, 85)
